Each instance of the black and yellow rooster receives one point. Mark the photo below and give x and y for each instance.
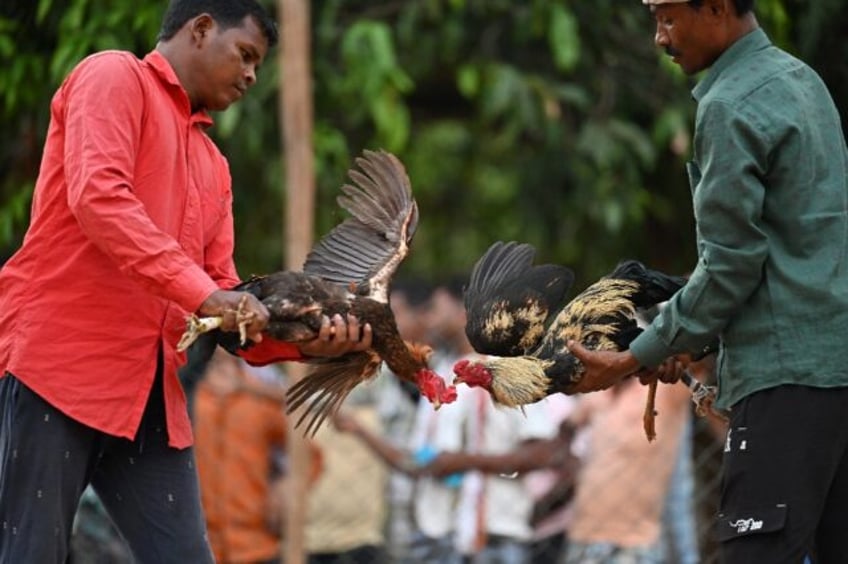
(515, 313)
(347, 272)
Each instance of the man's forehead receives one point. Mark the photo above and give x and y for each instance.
(248, 31)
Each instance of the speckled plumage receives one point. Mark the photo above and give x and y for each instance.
(530, 357)
(348, 271)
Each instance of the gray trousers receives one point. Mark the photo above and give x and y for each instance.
(150, 490)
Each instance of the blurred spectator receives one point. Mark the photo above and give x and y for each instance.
(624, 478)
(495, 506)
(240, 429)
(429, 503)
(346, 508)
(514, 447)
(433, 504)
(552, 490)
(397, 403)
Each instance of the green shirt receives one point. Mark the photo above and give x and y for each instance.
(769, 180)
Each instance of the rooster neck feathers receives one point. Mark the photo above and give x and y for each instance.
(518, 380)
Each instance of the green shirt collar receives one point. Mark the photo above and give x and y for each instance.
(753, 41)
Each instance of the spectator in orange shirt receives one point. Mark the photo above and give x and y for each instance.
(240, 427)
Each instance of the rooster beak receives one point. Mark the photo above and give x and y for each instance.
(437, 403)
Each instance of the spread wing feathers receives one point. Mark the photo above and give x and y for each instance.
(653, 287)
(509, 301)
(324, 389)
(366, 249)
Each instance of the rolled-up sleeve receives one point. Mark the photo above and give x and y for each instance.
(728, 195)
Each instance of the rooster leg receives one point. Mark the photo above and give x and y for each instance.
(195, 327)
(648, 419)
(703, 396)
(243, 319)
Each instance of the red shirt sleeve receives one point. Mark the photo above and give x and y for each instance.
(104, 117)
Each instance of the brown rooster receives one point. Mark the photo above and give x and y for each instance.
(510, 304)
(347, 272)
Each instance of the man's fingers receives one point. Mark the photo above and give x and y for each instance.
(353, 328)
(576, 349)
(645, 376)
(339, 329)
(367, 337)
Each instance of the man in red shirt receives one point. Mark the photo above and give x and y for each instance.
(131, 230)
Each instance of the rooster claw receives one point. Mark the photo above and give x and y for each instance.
(195, 327)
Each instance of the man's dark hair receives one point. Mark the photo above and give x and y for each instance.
(742, 6)
(227, 13)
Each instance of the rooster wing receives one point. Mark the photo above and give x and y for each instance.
(366, 249)
(509, 301)
(360, 257)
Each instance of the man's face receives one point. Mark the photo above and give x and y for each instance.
(227, 62)
(692, 37)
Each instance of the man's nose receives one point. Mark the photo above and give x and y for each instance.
(660, 37)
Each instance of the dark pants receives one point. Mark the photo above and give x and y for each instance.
(46, 460)
(366, 554)
(785, 483)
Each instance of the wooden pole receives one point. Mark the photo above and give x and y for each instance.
(296, 117)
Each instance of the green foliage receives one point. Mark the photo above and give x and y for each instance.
(555, 122)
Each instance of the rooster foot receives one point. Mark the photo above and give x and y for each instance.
(703, 397)
(243, 319)
(195, 327)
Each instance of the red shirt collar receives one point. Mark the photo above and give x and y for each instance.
(165, 71)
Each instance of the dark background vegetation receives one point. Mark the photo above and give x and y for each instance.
(555, 122)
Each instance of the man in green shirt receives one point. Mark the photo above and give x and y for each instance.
(769, 179)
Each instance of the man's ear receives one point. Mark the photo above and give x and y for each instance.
(200, 27)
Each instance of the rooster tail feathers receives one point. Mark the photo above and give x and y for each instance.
(654, 286)
(323, 390)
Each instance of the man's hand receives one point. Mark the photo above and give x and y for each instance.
(669, 372)
(447, 463)
(602, 369)
(337, 337)
(233, 307)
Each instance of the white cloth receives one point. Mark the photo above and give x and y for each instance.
(539, 482)
(434, 502)
(506, 502)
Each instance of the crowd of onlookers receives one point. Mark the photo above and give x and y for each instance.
(571, 479)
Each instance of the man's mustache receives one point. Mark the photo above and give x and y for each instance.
(672, 52)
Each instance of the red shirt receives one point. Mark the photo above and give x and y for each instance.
(131, 229)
